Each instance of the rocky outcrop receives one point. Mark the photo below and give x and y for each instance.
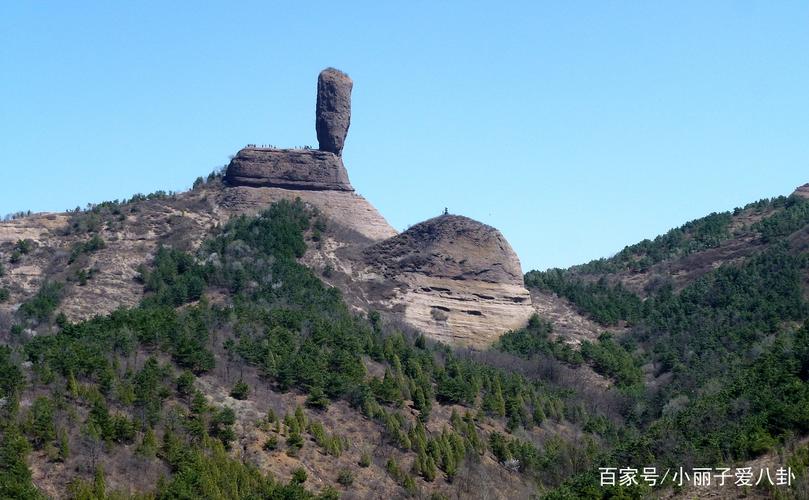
(802, 191)
(450, 246)
(457, 280)
(305, 169)
(333, 113)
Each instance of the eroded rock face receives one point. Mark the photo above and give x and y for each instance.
(333, 113)
(305, 169)
(450, 246)
(458, 280)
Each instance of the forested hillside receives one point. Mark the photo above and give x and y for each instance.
(716, 366)
(84, 401)
(319, 401)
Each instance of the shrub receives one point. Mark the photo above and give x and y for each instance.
(24, 246)
(345, 477)
(294, 443)
(40, 425)
(42, 305)
(439, 314)
(317, 399)
(240, 390)
(299, 476)
(185, 383)
(271, 443)
(92, 245)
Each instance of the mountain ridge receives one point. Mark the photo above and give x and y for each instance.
(268, 334)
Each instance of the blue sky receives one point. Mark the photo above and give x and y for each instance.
(574, 127)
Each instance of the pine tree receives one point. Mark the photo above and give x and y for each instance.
(300, 416)
(429, 469)
(64, 449)
(499, 401)
(148, 447)
(99, 484)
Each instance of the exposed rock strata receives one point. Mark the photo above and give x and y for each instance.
(458, 280)
(450, 246)
(306, 169)
(182, 222)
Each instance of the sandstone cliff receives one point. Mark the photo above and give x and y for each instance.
(458, 280)
(305, 169)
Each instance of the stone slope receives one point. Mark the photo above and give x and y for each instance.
(130, 237)
(181, 221)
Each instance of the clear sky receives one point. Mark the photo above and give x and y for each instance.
(574, 127)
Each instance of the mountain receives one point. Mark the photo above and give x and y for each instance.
(268, 334)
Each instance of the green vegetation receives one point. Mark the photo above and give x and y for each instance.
(606, 303)
(24, 247)
(793, 216)
(44, 303)
(694, 236)
(736, 367)
(283, 321)
(215, 475)
(612, 360)
(728, 355)
(94, 244)
(15, 478)
(535, 339)
(240, 390)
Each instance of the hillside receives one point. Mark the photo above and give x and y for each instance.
(239, 340)
(242, 358)
(709, 334)
(267, 334)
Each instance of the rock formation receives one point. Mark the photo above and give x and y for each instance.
(453, 278)
(450, 246)
(307, 169)
(333, 113)
(459, 280)
(258, 176)
(802, 191)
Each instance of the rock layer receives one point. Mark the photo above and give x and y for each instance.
(333, 112)
(305, 169)
(450, 246)
(459, 281)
